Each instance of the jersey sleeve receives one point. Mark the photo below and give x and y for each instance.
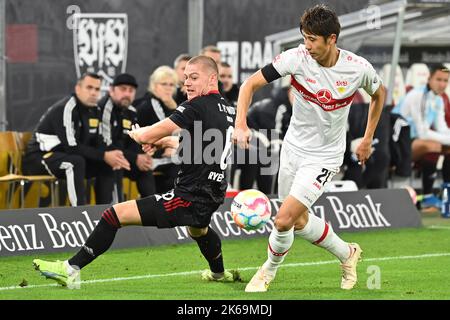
(286, 62)
(370, 80)
(185, 115)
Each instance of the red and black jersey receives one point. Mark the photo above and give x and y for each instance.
(204, 147)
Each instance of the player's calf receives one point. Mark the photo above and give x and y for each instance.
(99, 241)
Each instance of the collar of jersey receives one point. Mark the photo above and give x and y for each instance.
(207, 94)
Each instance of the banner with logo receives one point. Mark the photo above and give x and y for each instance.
(50, 43)
(100, 43)
(44, 230)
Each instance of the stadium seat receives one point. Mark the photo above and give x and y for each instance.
(13, 145)
(417, 75)
(399, 85)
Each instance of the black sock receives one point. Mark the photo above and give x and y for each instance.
(446, 169)
(211, 248)
(99, 241)
(428, 176)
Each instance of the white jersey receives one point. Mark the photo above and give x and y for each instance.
(322, 101)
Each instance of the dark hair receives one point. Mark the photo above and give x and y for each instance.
(225, 64)
(320, 20)
(437, 67)
(90, 75)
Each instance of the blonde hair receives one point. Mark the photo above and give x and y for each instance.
(207, 62)
(161, 73)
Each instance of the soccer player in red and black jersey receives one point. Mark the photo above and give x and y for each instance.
(199, 189)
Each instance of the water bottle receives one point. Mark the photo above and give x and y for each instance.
(445, 209)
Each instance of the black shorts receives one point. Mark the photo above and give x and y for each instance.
(169, 210)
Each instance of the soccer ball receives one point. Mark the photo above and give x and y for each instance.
(251, 209)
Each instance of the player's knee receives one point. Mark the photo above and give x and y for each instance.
(197, 232)
(302, 220)
(283, 223)
(128, 213)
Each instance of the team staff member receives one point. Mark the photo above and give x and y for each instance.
(199, 190)
(117, 116)
(179, 65)
(66, 143)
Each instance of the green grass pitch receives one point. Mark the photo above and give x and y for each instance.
(397, 264)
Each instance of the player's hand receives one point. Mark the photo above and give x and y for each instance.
(149, 149)
(168, 142)
(169, 152)
(135, 133)
(242, 136)
(364, 150)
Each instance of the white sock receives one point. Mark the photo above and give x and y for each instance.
(279, 244)
(69, 268)
(320, 233)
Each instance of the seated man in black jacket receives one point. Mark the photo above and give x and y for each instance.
(66, 143)
(117, 117)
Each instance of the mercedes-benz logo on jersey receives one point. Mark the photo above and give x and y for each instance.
(100, 42)
(324, 95)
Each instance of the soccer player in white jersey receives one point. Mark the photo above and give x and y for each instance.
(324, 79)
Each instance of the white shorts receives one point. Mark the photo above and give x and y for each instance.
(302, 178)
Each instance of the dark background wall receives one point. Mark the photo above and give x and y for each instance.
(40, 46)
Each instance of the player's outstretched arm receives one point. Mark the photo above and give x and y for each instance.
(364, 149)
(150, 134)
(168, 142)
(241, 134)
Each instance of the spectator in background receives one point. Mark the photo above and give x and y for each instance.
(374, 174)
(66, 143)
(230, 90)
(423, 108)
(213, 52)
(156, 105)
(179, 65)
(117, 117)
